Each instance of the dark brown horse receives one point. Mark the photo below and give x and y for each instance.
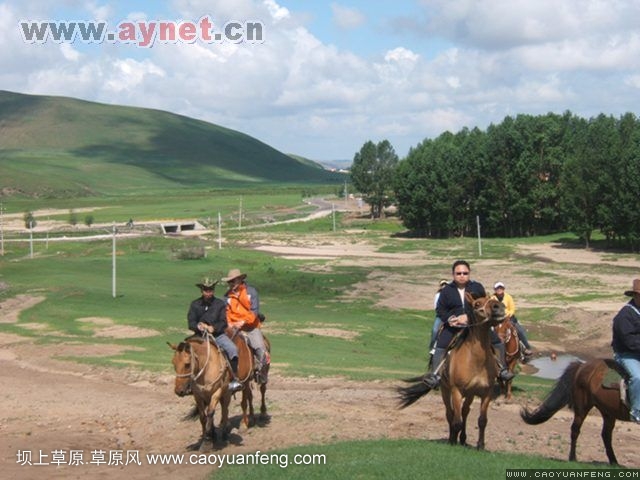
(508, 334)
(581, 388)
(247, 373)
(201, 368)
(469, 371)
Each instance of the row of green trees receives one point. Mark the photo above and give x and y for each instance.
(529, 175)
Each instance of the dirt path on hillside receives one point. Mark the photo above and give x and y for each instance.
(51, 405)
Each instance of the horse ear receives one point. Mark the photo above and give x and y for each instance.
(469, 298)
(173, 346)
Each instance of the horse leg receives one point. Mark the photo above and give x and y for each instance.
(466, 406)
(446, 399)
(456, 417)
(247, 401)
(208, 430)
(225, 400)
(263, 403)
(578, 419)
(581, 407)
(608, 423)
(483, 420)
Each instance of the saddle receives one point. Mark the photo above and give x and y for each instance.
(617, 378)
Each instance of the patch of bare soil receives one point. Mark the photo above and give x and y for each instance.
(51, 405)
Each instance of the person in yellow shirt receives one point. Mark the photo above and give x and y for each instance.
(243, 313)
(510, 310)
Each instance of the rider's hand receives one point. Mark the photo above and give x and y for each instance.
(459, 321)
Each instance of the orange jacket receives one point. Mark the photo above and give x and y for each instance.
(239, 309)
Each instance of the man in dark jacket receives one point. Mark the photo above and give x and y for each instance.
(626, 345)
(208, 313)
(454, 311)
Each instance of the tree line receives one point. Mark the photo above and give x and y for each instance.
(528, 175)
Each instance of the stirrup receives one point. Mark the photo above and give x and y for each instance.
(431, 380)
(235, 386)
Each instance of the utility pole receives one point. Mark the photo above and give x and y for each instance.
(219, 232)
(240, 215)
(1, 229)
(333, 211)
(479, 236)
(346, 201)
(113, 263)
(31, 238)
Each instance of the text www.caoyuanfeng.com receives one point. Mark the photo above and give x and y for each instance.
(121, 458)
(142, 33)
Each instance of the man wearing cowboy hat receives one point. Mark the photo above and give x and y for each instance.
(208, 314)
(243, 313)
(626, 345)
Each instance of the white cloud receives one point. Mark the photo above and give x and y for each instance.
(347, 18)
(277, 12)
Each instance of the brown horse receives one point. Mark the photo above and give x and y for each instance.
(508, 334)
(246, 373)
(469, 371)
(581, 388)
(201, 368)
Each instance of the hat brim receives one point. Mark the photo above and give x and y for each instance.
(202, 285)
(241, 276)
(631, 293)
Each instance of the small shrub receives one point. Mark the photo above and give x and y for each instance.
(192, 252)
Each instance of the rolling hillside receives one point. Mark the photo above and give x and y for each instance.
(57, 146)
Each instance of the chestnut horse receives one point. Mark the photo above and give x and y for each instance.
(508, 334)
(246, 373)
(470, 370)
(202, 369)
(581, 388)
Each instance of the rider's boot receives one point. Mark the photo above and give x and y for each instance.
(432, 379)
(234, 385)
(262, 368)
(505, 375)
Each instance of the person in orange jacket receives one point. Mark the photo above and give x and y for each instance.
(243, 313)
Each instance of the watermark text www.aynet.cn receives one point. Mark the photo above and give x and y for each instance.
(145, 33)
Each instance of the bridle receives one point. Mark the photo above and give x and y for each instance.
(194, 358)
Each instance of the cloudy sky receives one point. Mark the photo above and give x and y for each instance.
(328, 76)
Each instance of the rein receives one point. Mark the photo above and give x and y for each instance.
(192, 374)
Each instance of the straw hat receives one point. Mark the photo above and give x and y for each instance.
(233, 274)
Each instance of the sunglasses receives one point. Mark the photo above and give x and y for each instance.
(462, 273)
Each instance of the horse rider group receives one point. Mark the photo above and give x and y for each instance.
(452, 318)
(240, 310)
(454, 312)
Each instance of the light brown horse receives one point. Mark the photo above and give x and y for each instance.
(508, 334)
(246, 373)
(469, 371)
(581, 388)
(202, 369)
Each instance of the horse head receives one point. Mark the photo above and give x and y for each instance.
(182, 364)
(486, 310)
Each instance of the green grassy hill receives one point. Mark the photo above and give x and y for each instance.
(57, 146)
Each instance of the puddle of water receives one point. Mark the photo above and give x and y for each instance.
(548, 368)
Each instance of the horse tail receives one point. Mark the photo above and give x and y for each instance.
(413, 379)
(192, 415)
(410, 395)
(559, 397)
